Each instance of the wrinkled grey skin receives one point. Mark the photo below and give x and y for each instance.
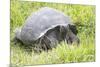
(47, 27)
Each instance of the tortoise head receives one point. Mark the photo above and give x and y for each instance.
(73, 29)
(71, 36)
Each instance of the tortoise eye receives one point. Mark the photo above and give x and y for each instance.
(73, 29)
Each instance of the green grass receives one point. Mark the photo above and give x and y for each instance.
(82, 15)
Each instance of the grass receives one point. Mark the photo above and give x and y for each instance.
(82, 15)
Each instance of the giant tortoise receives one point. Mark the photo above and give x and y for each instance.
(46, 28)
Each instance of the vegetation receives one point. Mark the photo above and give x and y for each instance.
(82, 15)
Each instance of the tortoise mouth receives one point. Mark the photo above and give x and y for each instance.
(75, 41)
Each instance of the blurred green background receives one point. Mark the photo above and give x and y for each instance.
(83, 16)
